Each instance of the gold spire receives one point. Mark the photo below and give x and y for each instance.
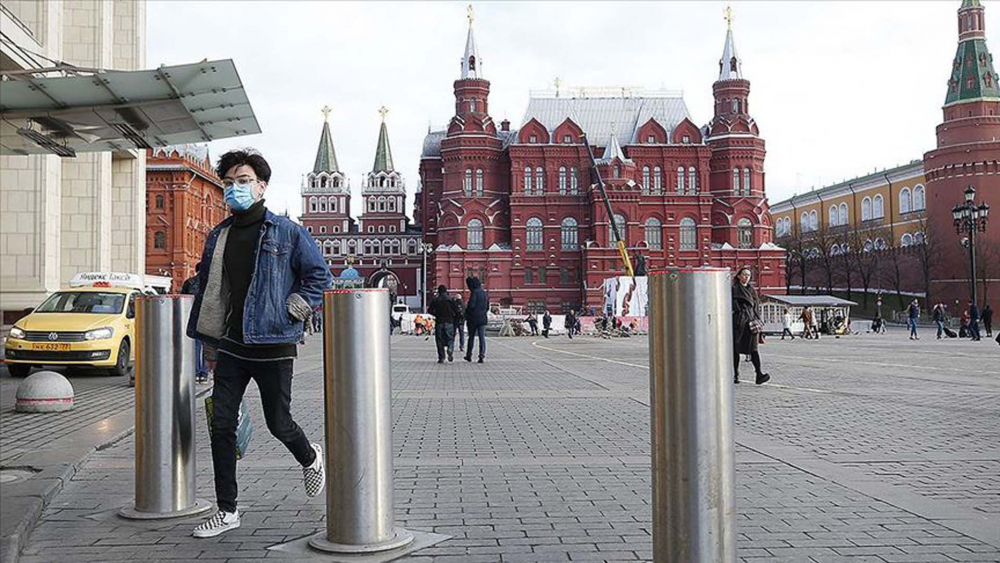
(382, 111)
(326, 113)
(470, 14)
(729, 17)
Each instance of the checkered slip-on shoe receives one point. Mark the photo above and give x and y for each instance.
(221, 522)
(315, 474)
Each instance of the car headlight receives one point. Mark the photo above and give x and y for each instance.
(16, 332)
(99, 333)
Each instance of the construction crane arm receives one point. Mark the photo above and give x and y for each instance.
(595, 178)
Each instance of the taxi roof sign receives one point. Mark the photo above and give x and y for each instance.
(107, 279)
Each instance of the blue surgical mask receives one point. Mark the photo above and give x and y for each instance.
(239, 196)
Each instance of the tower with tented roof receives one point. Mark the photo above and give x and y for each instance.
(326, 191)
(383, 191)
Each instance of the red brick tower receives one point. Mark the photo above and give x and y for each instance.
(384, 194)
(967, 154)
(326, 192)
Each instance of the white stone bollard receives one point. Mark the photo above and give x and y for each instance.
(44, 391)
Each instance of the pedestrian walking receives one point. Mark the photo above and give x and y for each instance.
(786, 324)
(475, 317)
(912, 316)
(445, 310)
(190, 287)
(460, 323)
(974, 322)
(988, 320)
(532, 324)
(937, 315)
(807, 322)
(546, 323)
(255, 339)
(747, 326)
(570, 323)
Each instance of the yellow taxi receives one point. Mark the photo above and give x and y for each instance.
(91, 325)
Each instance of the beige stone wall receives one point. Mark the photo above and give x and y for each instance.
(62, 216)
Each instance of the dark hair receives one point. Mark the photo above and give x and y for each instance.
(240, 157)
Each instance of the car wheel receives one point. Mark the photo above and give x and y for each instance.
(122, 366)
(19, 370)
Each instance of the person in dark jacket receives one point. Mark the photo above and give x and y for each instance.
(532, 324)
(191, 287)
(475, 317)
(974, 322)
(570, 324)
(459, 323)
(988, 320)
(445, 310)
(746, 323)
(546, 324)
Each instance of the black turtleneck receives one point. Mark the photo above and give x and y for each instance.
(239, 260)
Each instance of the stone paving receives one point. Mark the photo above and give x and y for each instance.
(868, 449)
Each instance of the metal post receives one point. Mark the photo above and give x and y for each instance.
(691, 397)
(972, 259)
(164, 411)
(359, 511)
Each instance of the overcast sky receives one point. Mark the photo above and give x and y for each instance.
(837, 88)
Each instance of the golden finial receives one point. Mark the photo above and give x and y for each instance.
(729, 17)
(382, 111)
(326, 112)
(470, 14)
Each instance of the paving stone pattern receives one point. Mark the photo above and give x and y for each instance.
(542, 454)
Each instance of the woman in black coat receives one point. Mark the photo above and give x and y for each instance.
(746, 312)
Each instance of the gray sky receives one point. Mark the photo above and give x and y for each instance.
(837, 88)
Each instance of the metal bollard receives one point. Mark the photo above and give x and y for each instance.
(691, 397)
(164, 411)
(359, 508)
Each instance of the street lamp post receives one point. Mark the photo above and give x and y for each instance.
(970, 219)
(425, 249)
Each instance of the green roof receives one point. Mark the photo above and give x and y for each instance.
(383, 154)
(326, 158)
(970, 4)
(972, 74)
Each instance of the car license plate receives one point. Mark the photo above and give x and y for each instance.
(51, 346)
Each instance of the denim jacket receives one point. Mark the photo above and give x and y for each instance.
(288, 281)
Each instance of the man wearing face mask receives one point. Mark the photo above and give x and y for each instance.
(261, 278)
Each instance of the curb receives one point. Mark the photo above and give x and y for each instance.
(35, 504)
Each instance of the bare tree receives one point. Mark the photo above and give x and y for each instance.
(987, 266)
(928, 255)
(797, 259)
(893, 265)
(843, 261)
(823, 241)
(865, 257)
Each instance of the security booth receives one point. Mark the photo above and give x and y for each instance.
(832, 314)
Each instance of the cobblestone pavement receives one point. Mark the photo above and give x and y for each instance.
(869, 449)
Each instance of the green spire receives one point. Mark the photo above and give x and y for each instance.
(326, 158)
(383, 154)
(972, 73)
(970, 4)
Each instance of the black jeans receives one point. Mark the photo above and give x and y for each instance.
(444, 337)
(479, 331)
(274, 380)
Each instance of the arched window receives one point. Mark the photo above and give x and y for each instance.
(689, 234)
(467, 184)
(878, 207)
(160, 240)
(645, 180)
(480, 182)
(618, 171)
(371, 204)
(866, 209)
(390, 204)
(569, 234)
(654, 233)
(336, 247)
(312, 204)
(475, 233)
(744, 233)
(333, 204)
(747, 187)
(835, 250)
(918, 238)
(907, 240)
(813, 221)
(905, 203)
(736, 181)
(680, 179)
(657, 181)
(539, 180)
(692, 180)
(322, 205)
(880, 244)
(844, 219)
(411, 247)
(381, 204)
(573, 186)
(620, 222)
(834, 216)
(527, 180)
(562, 180)
(804, 222)
(533, 237)
(322, 230)
(919, 201)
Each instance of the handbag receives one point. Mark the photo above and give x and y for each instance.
(244, 426)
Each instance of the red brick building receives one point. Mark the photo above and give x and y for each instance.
(384, 246)
(517, 208)
(183, 203)
(967, 154)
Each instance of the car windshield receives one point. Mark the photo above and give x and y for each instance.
(83, 302)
